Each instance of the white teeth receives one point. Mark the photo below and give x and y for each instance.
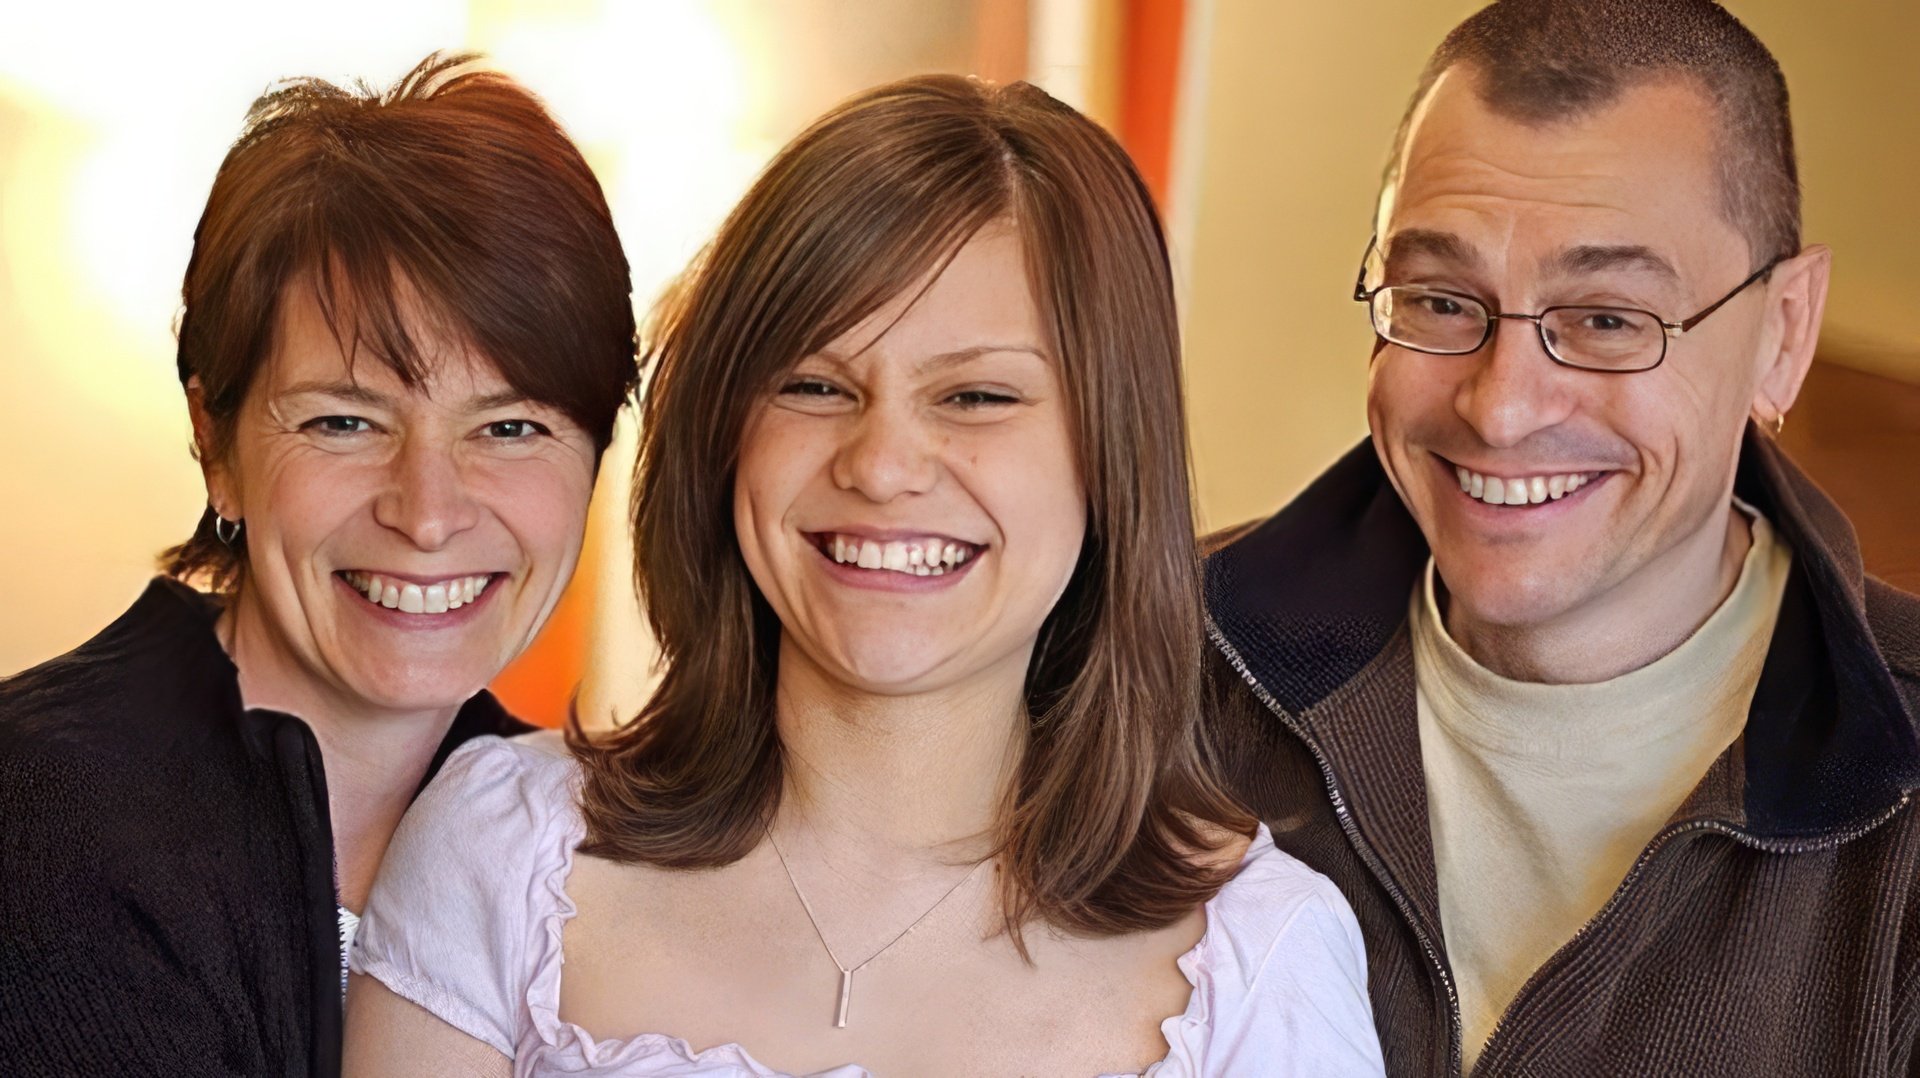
(1524, 490)
(893, 556)
(438, 598)
(912, 557)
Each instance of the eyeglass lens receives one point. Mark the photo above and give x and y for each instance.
(1602, 338)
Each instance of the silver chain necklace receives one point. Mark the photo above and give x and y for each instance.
(847, 972)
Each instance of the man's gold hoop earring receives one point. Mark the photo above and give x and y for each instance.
(225, 530)
(1779, 424)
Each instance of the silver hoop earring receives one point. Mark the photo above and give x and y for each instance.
(226, 530)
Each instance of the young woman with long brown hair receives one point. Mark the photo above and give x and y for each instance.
(921, 790)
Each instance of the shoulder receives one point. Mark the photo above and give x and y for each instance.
(472, 889)
(1282, 971)
(1894, 617)
(493, 792)
(1278, 909)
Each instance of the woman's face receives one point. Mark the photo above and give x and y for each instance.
(908, 499)
(403, 543)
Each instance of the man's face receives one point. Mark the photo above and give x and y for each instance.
(1618, 208)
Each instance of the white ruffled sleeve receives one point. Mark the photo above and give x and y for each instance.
(451, 921)
(1280, 980)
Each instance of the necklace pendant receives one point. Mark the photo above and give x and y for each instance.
(846, 999)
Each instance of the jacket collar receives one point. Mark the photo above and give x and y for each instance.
(1312, 603)
(175, 624)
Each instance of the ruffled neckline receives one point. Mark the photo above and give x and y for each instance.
(1182, 1031)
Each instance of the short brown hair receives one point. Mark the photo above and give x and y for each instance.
(1550, 61)
(454, 184)
(1115, 795)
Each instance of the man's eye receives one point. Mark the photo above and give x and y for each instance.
(1441, 305)
(515, 429)
(338, 425)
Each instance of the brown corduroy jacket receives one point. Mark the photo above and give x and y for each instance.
(1772, 927)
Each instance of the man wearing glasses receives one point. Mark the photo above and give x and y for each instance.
(1570, 679)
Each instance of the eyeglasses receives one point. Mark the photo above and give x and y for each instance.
(1613, 340)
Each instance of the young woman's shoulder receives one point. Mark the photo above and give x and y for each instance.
(474, 883)
(1287, 971)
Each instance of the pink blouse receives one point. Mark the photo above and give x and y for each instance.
(465, 920)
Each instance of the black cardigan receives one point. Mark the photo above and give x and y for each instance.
(167, 898)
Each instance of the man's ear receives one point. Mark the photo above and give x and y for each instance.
(221, 495)
(1797, 296)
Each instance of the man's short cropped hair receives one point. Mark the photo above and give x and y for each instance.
(1552, 61)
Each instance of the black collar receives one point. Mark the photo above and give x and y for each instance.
(1311, 595)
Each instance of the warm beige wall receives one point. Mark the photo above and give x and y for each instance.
(1282, 159)
(1853, 68)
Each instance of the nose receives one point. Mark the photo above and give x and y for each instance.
(1516, 389)
(426, 497)
(888, 453)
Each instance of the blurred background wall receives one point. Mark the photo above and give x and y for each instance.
(1261, 124)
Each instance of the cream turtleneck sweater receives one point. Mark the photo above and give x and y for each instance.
(1541, 797)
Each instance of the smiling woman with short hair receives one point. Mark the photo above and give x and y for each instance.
(407, 333)
(921, 789)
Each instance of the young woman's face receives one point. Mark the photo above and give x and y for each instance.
(403, 542)
(908, 499)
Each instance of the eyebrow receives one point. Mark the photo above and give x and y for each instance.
(1434, 244)
(355, 393)
(959, 356)
(948, 359)
(352, 392)
(1592, 258)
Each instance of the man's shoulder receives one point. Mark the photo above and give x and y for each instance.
(1894, 618)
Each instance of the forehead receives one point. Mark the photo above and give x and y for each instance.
(982, 295)
(307, 350)
(1638, 171)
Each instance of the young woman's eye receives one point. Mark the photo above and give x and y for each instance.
(338, 425)
(515, 429)
(981, 398)
(809, 387)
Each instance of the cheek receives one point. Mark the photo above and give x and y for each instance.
(544, 505)
(302, 497)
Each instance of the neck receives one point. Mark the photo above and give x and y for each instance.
(897, 781)
(374, 758)
(1630, 627)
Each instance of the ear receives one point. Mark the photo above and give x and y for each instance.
(221, 493)
(1798, 297)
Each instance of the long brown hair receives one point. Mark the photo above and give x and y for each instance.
(1114, 801)
(455, 183)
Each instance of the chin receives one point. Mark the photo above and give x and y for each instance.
(1493, 592)
(418, 687)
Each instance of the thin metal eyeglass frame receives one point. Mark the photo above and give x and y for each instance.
(1670, 330)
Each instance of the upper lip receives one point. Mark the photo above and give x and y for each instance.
(891, 535)
(1543, 471)
(420, 578)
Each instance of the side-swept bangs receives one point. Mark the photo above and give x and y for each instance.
(1114, 798)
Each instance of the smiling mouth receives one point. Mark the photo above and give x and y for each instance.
(1522, 492)
(411, 597)
(920, 556)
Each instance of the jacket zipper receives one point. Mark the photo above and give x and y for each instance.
(1654, 846)
(1352, 830)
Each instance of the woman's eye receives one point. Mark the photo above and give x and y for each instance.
(338, 425)
(515, 429)
(981, 398)
(809, 387)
